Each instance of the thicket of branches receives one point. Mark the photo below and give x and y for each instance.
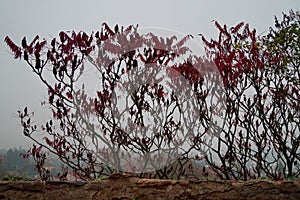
(261, 74)
(248, 130)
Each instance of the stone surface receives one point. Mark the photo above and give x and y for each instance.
(127, 187)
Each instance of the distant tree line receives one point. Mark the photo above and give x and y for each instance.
(12, 163)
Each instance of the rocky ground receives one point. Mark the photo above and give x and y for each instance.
(125, 187)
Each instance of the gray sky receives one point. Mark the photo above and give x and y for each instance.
(18, 85)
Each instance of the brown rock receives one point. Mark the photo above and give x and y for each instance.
(127, 187)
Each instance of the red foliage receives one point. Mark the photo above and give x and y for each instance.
(254, 126)
(13, 47)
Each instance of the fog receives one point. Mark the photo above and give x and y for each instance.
(18, 85)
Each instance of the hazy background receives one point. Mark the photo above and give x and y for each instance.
(18, 85)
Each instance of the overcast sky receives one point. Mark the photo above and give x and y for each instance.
(18, 85)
